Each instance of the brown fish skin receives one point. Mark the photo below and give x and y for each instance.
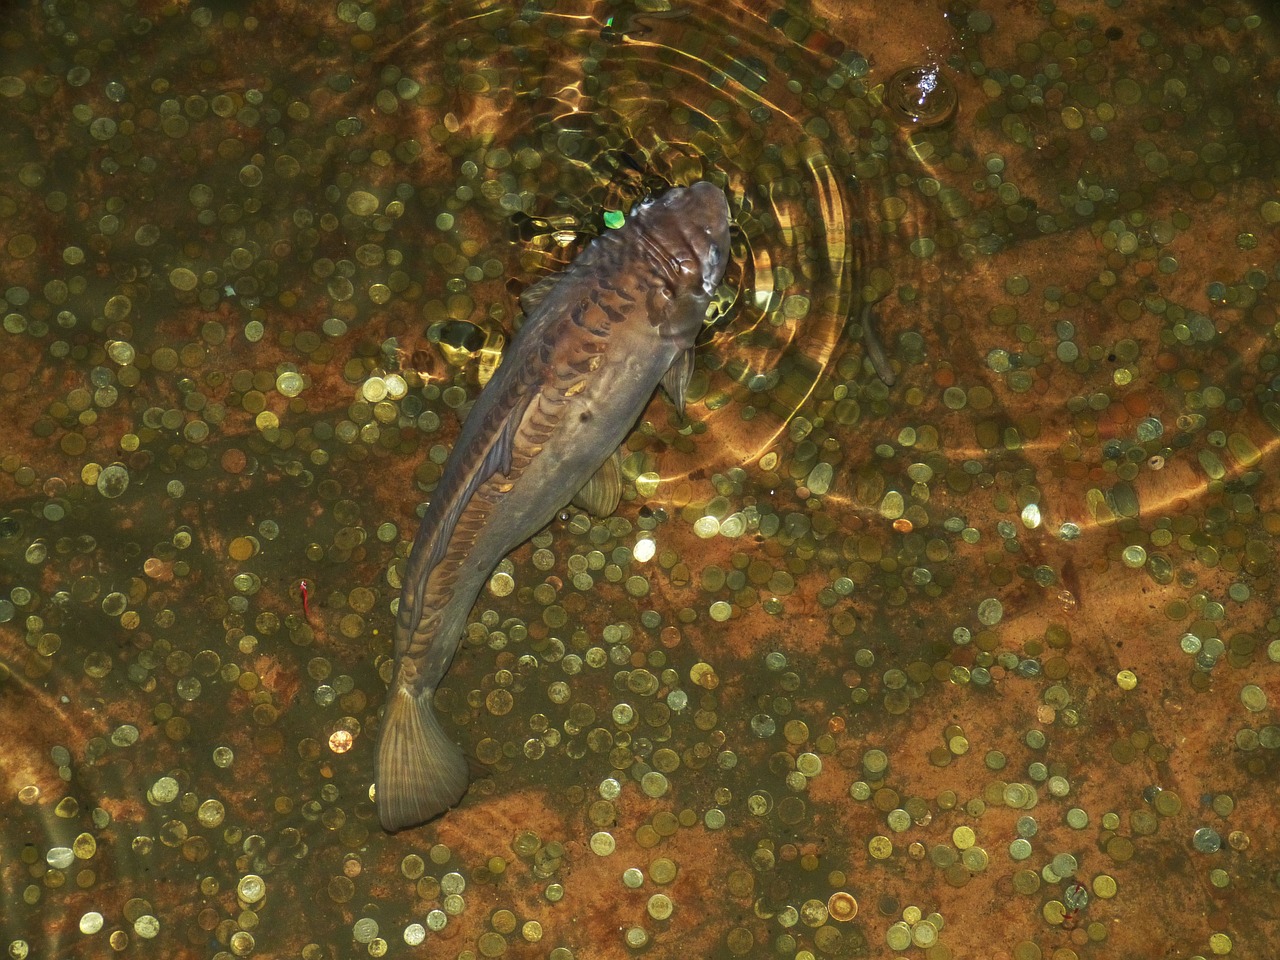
(597, 340)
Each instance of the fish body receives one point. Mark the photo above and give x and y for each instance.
(597, 340)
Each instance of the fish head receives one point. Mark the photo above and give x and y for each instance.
(688, 229)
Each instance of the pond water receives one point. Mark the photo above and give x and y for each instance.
(944, 624)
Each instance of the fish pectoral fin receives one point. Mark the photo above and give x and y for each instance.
(535, 293)
(421, 773)
(676, 380)
(602, 492)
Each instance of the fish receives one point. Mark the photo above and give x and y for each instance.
(874, 348)
(597, 340)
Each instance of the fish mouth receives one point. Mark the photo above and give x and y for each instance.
(711, 209)
(713, 265)
(691, 223)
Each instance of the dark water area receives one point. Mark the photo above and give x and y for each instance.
(943, 625)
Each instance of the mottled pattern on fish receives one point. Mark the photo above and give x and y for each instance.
(597, 340)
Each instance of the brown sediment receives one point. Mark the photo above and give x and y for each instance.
(233, 293)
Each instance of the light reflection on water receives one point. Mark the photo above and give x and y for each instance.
(955, 633)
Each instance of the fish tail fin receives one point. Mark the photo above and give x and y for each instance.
(421, 772)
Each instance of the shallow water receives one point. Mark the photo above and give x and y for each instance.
(967, 647)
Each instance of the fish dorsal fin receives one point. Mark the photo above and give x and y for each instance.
(497, 459)
(602, 492)
(486, 446)
(676, 380)
(535, 293)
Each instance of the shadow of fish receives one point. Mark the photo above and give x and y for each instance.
(597, 340)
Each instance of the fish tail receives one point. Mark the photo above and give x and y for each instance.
(421, 772)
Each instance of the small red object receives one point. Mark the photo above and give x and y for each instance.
(304, 588)
(1073, 892)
